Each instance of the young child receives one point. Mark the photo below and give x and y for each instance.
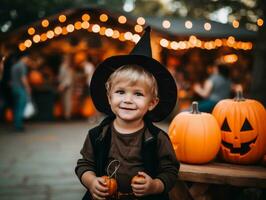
(134, 91)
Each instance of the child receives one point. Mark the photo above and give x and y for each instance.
(134, 91)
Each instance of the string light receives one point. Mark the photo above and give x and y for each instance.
(166, 24)
(77, 25)
(22, 47)
(70, 28)
(50, 34)
(109, 32)
(36, 38)
(102, 30)
(85, 17)
(45, 23)
(128, 35)
(235, 24)
(136, 38)
(43, 37)
(174, 45)
(64, 31)
(141, 21)
(192, 42)
(122, 19)
(212, 44)
(62, 18)
(95, 28)
(138, 28)
(260, 22)
(115, 34)
(31, 31)
(207, 26)
(85, 25)
(28, 43)
(230, 58)
(164, 42)
(188, 24)
(103, 17)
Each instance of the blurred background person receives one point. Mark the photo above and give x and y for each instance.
(65, 87)
(20, 89)
(215, 88)
(89, 69)
(6, 96)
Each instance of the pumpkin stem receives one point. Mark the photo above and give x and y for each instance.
(239, 96)
(116, 168)
(195, 108)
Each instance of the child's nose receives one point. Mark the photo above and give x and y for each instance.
(127, 98)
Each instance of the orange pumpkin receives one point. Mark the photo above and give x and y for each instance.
(88, 108)
(195, 136)
(111, 184)
(243, 128)
(9, 115)
(35, 78)
(58, 110)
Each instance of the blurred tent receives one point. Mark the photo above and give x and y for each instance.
(177, 27)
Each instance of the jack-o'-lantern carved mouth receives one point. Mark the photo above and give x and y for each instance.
(245, 147)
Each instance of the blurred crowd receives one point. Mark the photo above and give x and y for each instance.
(58, 83)
(24, 77)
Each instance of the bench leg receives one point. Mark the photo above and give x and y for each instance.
(180, 192)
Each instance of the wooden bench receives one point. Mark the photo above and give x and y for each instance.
(216, 173)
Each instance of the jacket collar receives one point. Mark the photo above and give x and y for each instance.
(106, 124)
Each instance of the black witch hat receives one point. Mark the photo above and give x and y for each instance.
(140, 55)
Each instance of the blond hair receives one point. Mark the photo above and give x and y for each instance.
(133, 74)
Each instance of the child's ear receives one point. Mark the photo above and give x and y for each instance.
(153, 103)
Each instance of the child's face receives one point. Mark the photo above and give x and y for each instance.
(131, 102)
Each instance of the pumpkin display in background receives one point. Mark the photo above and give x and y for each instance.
(88, 108)
(58, 110)
(8, 115)
(243, 128)
(111, 184)
(35, 78)
(195, 136)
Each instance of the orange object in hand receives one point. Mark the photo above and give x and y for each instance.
(111, 184)
(137, 179)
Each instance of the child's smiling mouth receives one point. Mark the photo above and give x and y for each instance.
(125, 108)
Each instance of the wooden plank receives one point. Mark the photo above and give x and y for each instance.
(180, 192)
(222, 173)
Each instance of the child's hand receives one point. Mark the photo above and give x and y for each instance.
(98, 189)
(146, 186)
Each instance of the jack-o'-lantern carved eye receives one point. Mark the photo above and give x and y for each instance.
(225, 126)
(246, 126)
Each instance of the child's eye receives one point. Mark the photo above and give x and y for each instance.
(139, 94)
(119, 92)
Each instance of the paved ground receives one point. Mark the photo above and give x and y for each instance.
(39, 164)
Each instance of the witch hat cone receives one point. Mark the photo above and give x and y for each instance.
(143, 47)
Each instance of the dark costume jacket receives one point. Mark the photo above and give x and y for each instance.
(100, 139)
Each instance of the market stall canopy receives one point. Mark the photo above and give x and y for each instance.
(196, 27)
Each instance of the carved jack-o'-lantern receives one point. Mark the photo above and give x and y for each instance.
(243, 127)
